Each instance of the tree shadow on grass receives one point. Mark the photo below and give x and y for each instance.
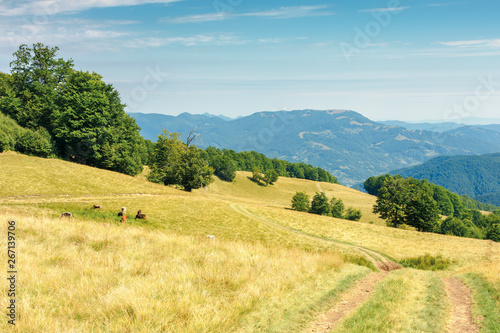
(258, 182)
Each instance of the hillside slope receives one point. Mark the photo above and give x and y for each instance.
(476, 176)
(268, 268)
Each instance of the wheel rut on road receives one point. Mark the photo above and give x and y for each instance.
(379, 261)
(326, 322)
(460, 299)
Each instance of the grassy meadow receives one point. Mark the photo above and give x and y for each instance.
(269, 269)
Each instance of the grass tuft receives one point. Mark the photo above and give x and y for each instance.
(427, 262)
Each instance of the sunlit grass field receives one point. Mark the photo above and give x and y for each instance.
(268, 270)
(94, 277)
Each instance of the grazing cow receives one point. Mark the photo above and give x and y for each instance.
(124, 210)
(140, 215)
(123, 219)
(97, 206)
(211, 237)
(66, 214)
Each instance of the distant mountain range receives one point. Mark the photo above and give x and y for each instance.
(476, 176)
(349, 145)
(439, 127)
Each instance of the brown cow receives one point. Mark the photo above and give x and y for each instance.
(140, 215)
(123, 219)
(97, 206)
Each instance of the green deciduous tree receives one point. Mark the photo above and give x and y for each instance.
(373, 184)
(320, 205)
(421, 211)
(337, 208)
(493, 232)
(455, 227)
(177, 163)
(256, 174)
(270, 176)
(76, 111)
(407, 201)
(91, 126)
(391, 201)
(36, 76)
(300, 202)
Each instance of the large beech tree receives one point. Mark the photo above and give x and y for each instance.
(177, 163)
(83, 115)
(403, 201)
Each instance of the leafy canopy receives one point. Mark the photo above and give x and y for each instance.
(73, 113)
(177, 163)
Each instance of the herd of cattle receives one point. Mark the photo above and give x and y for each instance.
(123, 217)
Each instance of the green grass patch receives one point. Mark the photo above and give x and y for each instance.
(360, 261)
(427, 262)
(486, 302)
(81, 211)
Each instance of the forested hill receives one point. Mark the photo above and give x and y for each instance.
(476, 176)
(347, 144)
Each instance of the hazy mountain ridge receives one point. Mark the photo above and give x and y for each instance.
(349, 145)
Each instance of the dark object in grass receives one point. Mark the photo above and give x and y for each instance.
(66, 214)
(140, 215)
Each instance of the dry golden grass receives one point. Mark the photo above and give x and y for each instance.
(280, 194)
(82, 276)
(23, 175)
(396, 243)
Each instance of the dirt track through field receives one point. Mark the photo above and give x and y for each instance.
(327, 321)
(379, 261)
(461, 303)
(352, 299)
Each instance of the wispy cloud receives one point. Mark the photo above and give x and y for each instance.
(279, 13)
(196, 18)
(442, 4)
(53, 7)
(206, 39)
(385, 9)
(292, 12)
(485, 43)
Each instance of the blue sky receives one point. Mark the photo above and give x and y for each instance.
(393, 59)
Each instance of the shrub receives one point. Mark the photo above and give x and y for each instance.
(353, 214)
(456, 227)
(34, 143)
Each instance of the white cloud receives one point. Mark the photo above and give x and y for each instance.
(53, 7)
(197, 18)
(292, 12)
(280, 13)
(441, 4)
(486, 43)
(186, 41)
(385, 9)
